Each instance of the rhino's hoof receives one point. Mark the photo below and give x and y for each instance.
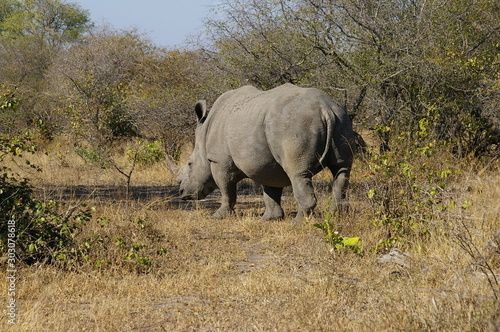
(342, 207)
(301, 216)
(222, 213)
(273, 216)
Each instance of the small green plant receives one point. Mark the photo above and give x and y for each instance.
(135, 254)
(93, 157)
(334, 239)
(8, 99)
(135, 247)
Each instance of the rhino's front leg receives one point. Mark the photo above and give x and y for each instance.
(227, 184)
(272, 199)
(228, 201)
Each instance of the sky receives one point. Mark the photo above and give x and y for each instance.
(167, 22)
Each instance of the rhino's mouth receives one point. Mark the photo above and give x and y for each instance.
(191, 197)
(185, 196)
(188, 195)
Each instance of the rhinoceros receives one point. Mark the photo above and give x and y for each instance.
(277, 138)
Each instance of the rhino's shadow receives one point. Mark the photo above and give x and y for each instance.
(249, 195)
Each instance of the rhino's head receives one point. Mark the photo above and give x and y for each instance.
(196, 181)
(195, 177)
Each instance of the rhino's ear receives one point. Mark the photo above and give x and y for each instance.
(201, 110)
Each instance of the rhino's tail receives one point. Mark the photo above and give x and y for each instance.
(329, 118)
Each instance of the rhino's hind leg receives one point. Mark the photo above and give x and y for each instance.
(304, 194)
(272, 199)
(340, 184)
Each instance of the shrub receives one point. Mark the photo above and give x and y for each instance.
(37, 231)
(40, 231)
(411, 189)
(93, 156)
(146, 153)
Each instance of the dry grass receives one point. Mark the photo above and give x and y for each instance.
(244, 274)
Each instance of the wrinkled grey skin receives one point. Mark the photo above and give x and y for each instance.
(277, 138)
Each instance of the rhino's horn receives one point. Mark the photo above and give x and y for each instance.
(174, 168)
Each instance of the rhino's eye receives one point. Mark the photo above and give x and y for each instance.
(190, 164)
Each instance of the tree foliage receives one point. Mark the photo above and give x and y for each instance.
(92, 81)
(171, 83)
(32, 32)
(412, 70)
(116, 84)
(394, 63)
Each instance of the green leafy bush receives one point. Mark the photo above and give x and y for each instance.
(40, 231)
(93, 156)
(146, 153)
(37, 231)
(134, 247)
(411, 188)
